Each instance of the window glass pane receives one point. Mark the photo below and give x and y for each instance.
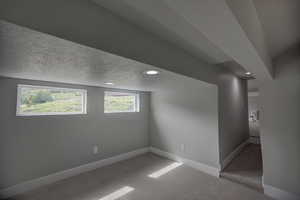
(121, 102)
(35, 100)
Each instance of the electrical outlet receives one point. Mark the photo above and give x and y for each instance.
(182, 147)
(95, 149)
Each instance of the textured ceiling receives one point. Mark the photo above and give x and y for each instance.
(280, 20)
(163, 21)
(29, 54)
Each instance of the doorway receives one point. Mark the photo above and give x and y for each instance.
(247, 167)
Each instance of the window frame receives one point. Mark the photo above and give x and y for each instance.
(136, 106)
(19, 95)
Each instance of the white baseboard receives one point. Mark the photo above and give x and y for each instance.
(196, 165)
(233, 154)
(35, 183)
(279, 194)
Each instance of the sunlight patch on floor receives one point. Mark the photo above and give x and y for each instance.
(118, 193)
(164, 170)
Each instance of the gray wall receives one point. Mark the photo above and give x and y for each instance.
(254, 127)
(39, 53)
(185, 112)
(79, 25)
(31, 147)
(233, 113)
(280, 127)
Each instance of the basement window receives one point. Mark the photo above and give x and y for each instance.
(42, 100)
(121, 102)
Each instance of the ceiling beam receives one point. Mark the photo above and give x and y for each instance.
(215, 20)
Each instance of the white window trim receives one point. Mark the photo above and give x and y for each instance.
(18, 110)
(137, 101)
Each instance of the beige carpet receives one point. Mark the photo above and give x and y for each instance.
(246, 168)
(130, 180)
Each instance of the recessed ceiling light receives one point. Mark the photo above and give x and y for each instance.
(151, 72)
(248, 73)
(108, 83)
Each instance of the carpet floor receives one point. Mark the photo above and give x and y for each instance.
(246, 168)
(146, 177)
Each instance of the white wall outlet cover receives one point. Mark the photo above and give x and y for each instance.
(182, 147)
(95, 149)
